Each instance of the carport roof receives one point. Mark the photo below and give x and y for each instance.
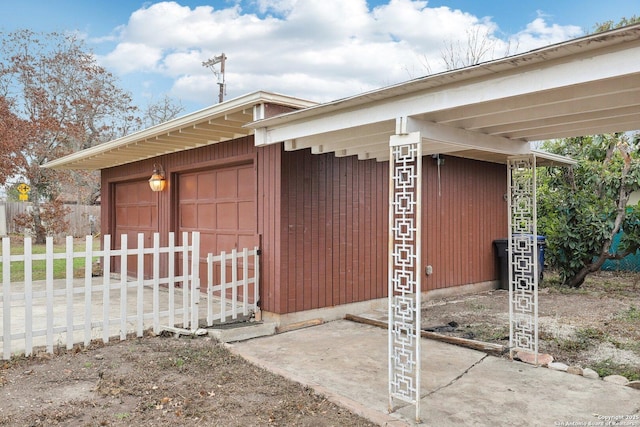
(488, 112)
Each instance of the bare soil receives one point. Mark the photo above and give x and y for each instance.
(595, 326)
(157, 381)
(168, 381)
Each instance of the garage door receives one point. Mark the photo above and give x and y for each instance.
(136, 211)
(220, 204)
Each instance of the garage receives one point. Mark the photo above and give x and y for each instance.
(136, 211)
(220, 203)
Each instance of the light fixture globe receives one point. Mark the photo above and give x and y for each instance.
(157, 182)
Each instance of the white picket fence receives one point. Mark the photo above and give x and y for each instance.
(55, 313)
(244, 289)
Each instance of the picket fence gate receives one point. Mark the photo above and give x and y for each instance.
(57, 313)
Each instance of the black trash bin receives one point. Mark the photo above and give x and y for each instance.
(502, 246)
(542, 244)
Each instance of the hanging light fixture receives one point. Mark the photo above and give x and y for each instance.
(157, 182)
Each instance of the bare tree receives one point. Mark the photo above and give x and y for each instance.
(162, 111)
(478, 46)
(66, 102)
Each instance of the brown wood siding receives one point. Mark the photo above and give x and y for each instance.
(269, 178)
(334, 230)
(461, 223)
(335, 227)
(323, 220)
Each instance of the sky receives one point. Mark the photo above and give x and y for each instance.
(317, 50)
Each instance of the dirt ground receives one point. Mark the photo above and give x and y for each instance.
(157, 381)
(596, 326)
(167, 381)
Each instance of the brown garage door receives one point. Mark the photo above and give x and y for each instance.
(136, 211)
(220, 204)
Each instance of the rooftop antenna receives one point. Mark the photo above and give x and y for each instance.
(218, 59)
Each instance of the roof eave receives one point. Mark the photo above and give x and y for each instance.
(544, 158)
(236, 104)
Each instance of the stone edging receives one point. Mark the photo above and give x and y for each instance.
(546, 360)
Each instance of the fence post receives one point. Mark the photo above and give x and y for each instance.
(209, 289)
(156, 283)
(106, 283)
(140, 286)
(28, 300)
(124, 285)
(195, 279)
(69, 289)
(223, 286)
(6, 298)
(234, 280)
(185, 280)
(49, 291)
(88, 291)
(245, 281)
(172, 279)
(256, 284)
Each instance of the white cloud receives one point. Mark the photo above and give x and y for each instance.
(279, 7)
(131, 57)
(538, 33)
(414, 22)
(176, 64)
(319, 50)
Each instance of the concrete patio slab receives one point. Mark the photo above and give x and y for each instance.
(347, 361)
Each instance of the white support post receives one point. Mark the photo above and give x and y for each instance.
(523, 255)
(404, 293)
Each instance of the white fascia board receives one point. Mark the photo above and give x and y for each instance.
(554, 159)
(572, 70)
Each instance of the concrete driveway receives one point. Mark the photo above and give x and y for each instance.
(347, 362)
